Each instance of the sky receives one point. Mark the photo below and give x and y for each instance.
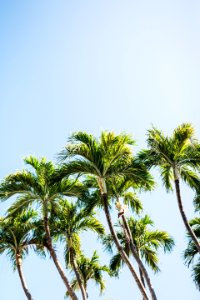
(98, 65)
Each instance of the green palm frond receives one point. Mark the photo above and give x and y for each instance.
(167, 176)
(159, 239)
(190, 177)
(32, 161)
(161, 145)
(90, 200)
(90, 269)
(21, 204)
(149, 158)
(108, 243)
(196, 274)
(92, 224)
(132, 200)
(191, 253)
(147, 242)
(102, 156)
(116, 263)
(136, 174)
(18, 183)
(182, 137)
(150, 257)
(80, 166)
(16, 235)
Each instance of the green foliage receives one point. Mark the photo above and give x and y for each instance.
(16, 235)
(90, 269)
(176, 154)
(147, 243)
(89, 167)
(191, 254)
(69, 222)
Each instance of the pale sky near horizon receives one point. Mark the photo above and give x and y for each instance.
(95, 65)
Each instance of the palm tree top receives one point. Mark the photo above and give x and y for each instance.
(102, 155)
(38, 184)
(177, 155)
(110, 156)
(174, 147)
(90, 269)
(16, 234)
(147, 241)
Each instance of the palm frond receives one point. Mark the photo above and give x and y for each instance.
(167, 176)
(21, 204)
(196, 274)
(190, 177)
(132, 200)
(151, 258)
(116, 263)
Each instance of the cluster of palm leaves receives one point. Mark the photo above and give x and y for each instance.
(58, 203)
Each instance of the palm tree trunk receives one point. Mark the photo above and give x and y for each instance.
(80, 283)
(141, 274)
(120, 249)
(21, 276)
(56, 262)
(139, 261)
(128, 238)
(142, 277)
(183, 215)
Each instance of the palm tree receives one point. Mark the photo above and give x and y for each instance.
(105, 159)
(178, 157)
(90, 269)
(122, 190)
(71, 222)
(190, 254)
(15, 241)
(42, 187)
(147, 242)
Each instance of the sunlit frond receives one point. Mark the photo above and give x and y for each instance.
(132, 200)
(167, 176)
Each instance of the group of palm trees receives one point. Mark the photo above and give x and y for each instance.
(56, 203)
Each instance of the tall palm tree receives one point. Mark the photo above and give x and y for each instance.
(70, 221)
(190, 254)
(178, 157)
(122, 190)
(105, 158)
(147, 242)
(15, 241)
(90, 269)
(40, 187)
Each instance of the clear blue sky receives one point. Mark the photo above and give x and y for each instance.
(93, 65)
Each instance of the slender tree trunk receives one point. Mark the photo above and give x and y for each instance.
(21, 276)
(139, 261)
(183, 215)
(56, 262)
(142, 277)
(78, 276)
(120, 249)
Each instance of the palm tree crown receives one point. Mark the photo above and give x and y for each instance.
(146, 241)
(16, 239)
(90, 269)
(177, 156)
